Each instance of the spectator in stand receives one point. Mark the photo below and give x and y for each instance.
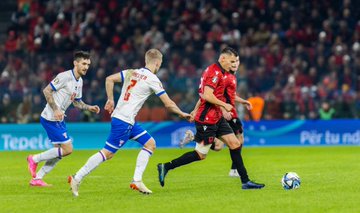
(7, 110)
(24, 110)
(61, 25)
(326, 112)
(11, 44)
(37, 107)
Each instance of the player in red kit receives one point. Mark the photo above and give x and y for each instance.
(233, 119)
(230, 97)
(209, 121)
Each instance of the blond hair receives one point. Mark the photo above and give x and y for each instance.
(151, 55)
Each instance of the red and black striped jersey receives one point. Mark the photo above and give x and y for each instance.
(212, 77)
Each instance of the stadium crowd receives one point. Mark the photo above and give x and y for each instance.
(302, 57)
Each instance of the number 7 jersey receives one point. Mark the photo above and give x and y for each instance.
(138, 85)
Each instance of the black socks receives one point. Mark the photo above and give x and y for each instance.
(182, 160)
(238, 163)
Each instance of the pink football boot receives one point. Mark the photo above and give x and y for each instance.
(39, 183)
(32, 166)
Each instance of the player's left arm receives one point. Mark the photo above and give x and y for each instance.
(171, 106)
(83, 106)
(227, 115)
(196, 108)
(247, 104)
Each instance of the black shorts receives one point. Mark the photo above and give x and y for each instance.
(208, 133)
(236, 126)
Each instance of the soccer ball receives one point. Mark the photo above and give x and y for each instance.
(290, 180)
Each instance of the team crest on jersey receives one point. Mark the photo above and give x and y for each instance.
(211, 140)
(215, 79)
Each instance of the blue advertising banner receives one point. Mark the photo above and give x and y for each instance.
(168, 134)
(301, 132)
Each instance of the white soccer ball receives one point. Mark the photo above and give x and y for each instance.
(290, 180)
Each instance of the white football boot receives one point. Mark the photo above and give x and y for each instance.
(74, 185)
(140, 186)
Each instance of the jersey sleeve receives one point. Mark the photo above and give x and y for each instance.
(211, 79)
(123, 74)
(59, 82)
(156, 86)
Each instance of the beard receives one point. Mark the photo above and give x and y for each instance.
(84, 72)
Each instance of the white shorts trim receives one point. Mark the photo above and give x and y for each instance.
(203, 149)
(61, 142)
(112, 146)
(139, 135)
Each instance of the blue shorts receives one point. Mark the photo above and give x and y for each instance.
(121, 132)
(56, 131)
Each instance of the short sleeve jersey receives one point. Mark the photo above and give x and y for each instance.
(230, 91)
(212, 77)
(66, 89)
(138, 85)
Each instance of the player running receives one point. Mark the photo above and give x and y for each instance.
(209, 121)
(65, 89)
(138, 85)
(232, 118)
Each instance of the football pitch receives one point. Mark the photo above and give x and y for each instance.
(329, 183)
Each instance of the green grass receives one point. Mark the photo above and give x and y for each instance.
(329, 175)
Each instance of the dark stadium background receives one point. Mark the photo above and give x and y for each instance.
(302, 57)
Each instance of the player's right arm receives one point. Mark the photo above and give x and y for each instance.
(48, 93)
(109, 86)
(209, 96)
(171, 106)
